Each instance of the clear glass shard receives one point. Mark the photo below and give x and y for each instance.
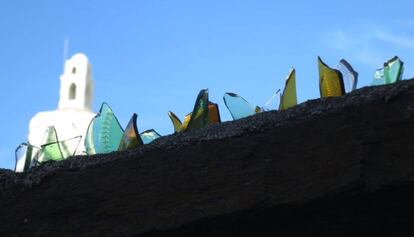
(25, 156)
(149, 136)
(271, 104)
(68, 147)
(238, 106)
(288, 97)
(350, 76)
(331, 83)
(22, 159)
(379, 78)
(104, 132)
(130, 139)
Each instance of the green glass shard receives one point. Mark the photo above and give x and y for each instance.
(104, 132)
(288, 97)
(213, 113)
(50, 149)
(199, 116)
(56, 150)
(149, 136)
(130, 139)
(350, 76)
(331, 83)
(238, 106)
(393, 70)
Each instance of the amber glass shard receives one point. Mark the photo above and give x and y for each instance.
(330, 81)
(393, 70)
(104, 132)
(175, 121)
(238, 106)
(186, 121)
(213, 113)
(288, 97)
(349, 75)
(149, 136)
(199, 116)
(131, 138)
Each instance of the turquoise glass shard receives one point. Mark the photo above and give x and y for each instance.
(104, 132)
(238, 106)
(199, 116)
(349, 75)
(393, 70)
(149, 136)
(130, 139)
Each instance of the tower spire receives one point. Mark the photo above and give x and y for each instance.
(65, 51)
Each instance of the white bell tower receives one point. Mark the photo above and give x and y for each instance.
(76, 84)
(74, 113)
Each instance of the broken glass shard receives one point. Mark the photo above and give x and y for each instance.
(379, 78)
(393, 70)
(56, 150)
(199, 116)
(22, 159)
(330, 81)
(349, 75)
(288, 97)
(238, 106)
(130, 139)
(104, 132)
(149, 136)
(175, 121)
(25, 154)
(213, 113)
(50, 149)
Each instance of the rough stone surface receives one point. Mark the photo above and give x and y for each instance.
(335, 167)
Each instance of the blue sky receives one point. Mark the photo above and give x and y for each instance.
(150, 57)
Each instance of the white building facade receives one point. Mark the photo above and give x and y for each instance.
(74, 111)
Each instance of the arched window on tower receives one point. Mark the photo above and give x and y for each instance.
(72, 91)
(73, 70)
